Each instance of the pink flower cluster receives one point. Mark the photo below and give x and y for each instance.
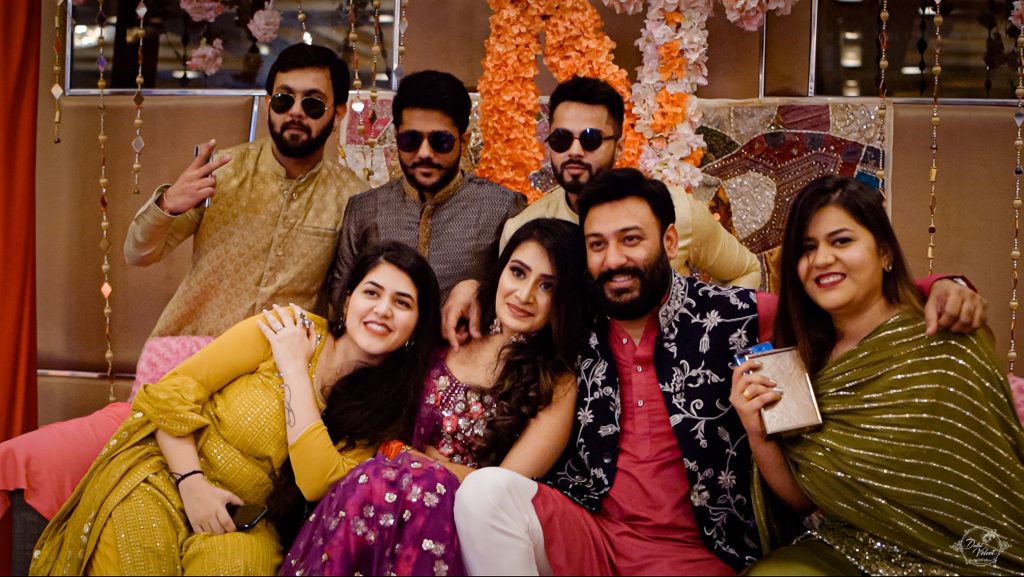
(200, 10)
(207, 58)
(749, 14)
(264, 24)
(1017, 16)
(625, 6)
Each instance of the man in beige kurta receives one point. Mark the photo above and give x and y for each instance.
(590, 105)
(276, 206)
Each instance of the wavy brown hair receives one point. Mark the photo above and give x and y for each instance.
(800, 321)
(372, 404)
(533, 369)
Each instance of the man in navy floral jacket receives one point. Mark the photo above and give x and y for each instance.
(656, 478)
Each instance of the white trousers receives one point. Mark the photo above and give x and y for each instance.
(499, 531)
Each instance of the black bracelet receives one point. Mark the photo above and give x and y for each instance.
(179, 478)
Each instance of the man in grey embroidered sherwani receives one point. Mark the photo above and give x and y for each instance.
(453, 220)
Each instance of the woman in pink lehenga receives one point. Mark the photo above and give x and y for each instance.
(505, 400)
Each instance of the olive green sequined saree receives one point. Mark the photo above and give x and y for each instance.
(919, 466)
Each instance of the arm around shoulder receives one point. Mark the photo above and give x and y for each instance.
(717, 252)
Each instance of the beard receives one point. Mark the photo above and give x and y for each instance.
(575, 184)
(300, 147)
(447, 175)
(655, 277)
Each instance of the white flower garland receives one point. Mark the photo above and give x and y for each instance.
(674, 48)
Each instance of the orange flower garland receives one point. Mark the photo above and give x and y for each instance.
(509, 96)
(576, 45)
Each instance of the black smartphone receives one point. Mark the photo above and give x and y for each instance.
(246, 516)
(207, 201)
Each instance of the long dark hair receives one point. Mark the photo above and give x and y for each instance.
(532, 369)
(373, 404)
(800, 321)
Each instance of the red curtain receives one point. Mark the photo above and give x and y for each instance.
(20, 28)
(19, 77)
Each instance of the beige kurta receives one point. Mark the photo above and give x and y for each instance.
(703, 243)
(265, 239)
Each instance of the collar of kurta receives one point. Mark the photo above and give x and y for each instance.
(439, 197)
(268, 162)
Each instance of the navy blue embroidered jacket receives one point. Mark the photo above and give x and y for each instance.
(702, 326)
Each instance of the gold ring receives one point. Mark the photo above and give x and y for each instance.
(746, 393)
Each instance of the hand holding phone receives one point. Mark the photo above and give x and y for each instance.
(246, 516)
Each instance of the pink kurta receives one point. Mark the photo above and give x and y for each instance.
(647, 524)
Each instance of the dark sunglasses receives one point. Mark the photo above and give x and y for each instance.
(441, 141)
(560, 139)
(283, 102)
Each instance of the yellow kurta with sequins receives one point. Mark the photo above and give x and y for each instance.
(126, 515)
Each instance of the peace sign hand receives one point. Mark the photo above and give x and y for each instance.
(194, 185)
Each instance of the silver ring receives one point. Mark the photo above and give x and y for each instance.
(278, 328)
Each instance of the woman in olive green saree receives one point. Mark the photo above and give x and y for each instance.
(919, 464)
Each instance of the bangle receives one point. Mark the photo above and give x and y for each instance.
(178, 478)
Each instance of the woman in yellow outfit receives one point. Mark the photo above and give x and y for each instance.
(218, 429)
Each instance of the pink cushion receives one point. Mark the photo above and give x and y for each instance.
(1017, 386)
(49, 462)
(160, 355)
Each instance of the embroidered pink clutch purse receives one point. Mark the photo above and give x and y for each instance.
(797, 412)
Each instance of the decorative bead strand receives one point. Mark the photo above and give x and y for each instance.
(58, 82)
(306, 36)
(883, 65)
(371, 140)
(105, 289)
(933, 173)
(353, 40)
(1018, 172)
(403, 23)
(138, 144)
(358, 106)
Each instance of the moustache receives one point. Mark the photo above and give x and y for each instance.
(582, 165)
(425, 164)
(297, 126)
(608, 275)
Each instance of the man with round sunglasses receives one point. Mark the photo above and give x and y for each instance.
(585, 139)
(265, 215)
(453, 219)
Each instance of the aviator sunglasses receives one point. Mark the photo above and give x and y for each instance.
(283, 102)
(560, 139)
(441, 141)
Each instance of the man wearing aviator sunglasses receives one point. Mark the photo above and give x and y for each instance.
(265, 215)
(452, 219)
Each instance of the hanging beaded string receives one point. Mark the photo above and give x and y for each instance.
(933, 173)
(138, 144)
(306, 36)
(105, 289)
(1018, 172)
(358, 106)
(371, 140)
(58, 83)
(403, 23)
(883, 65)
